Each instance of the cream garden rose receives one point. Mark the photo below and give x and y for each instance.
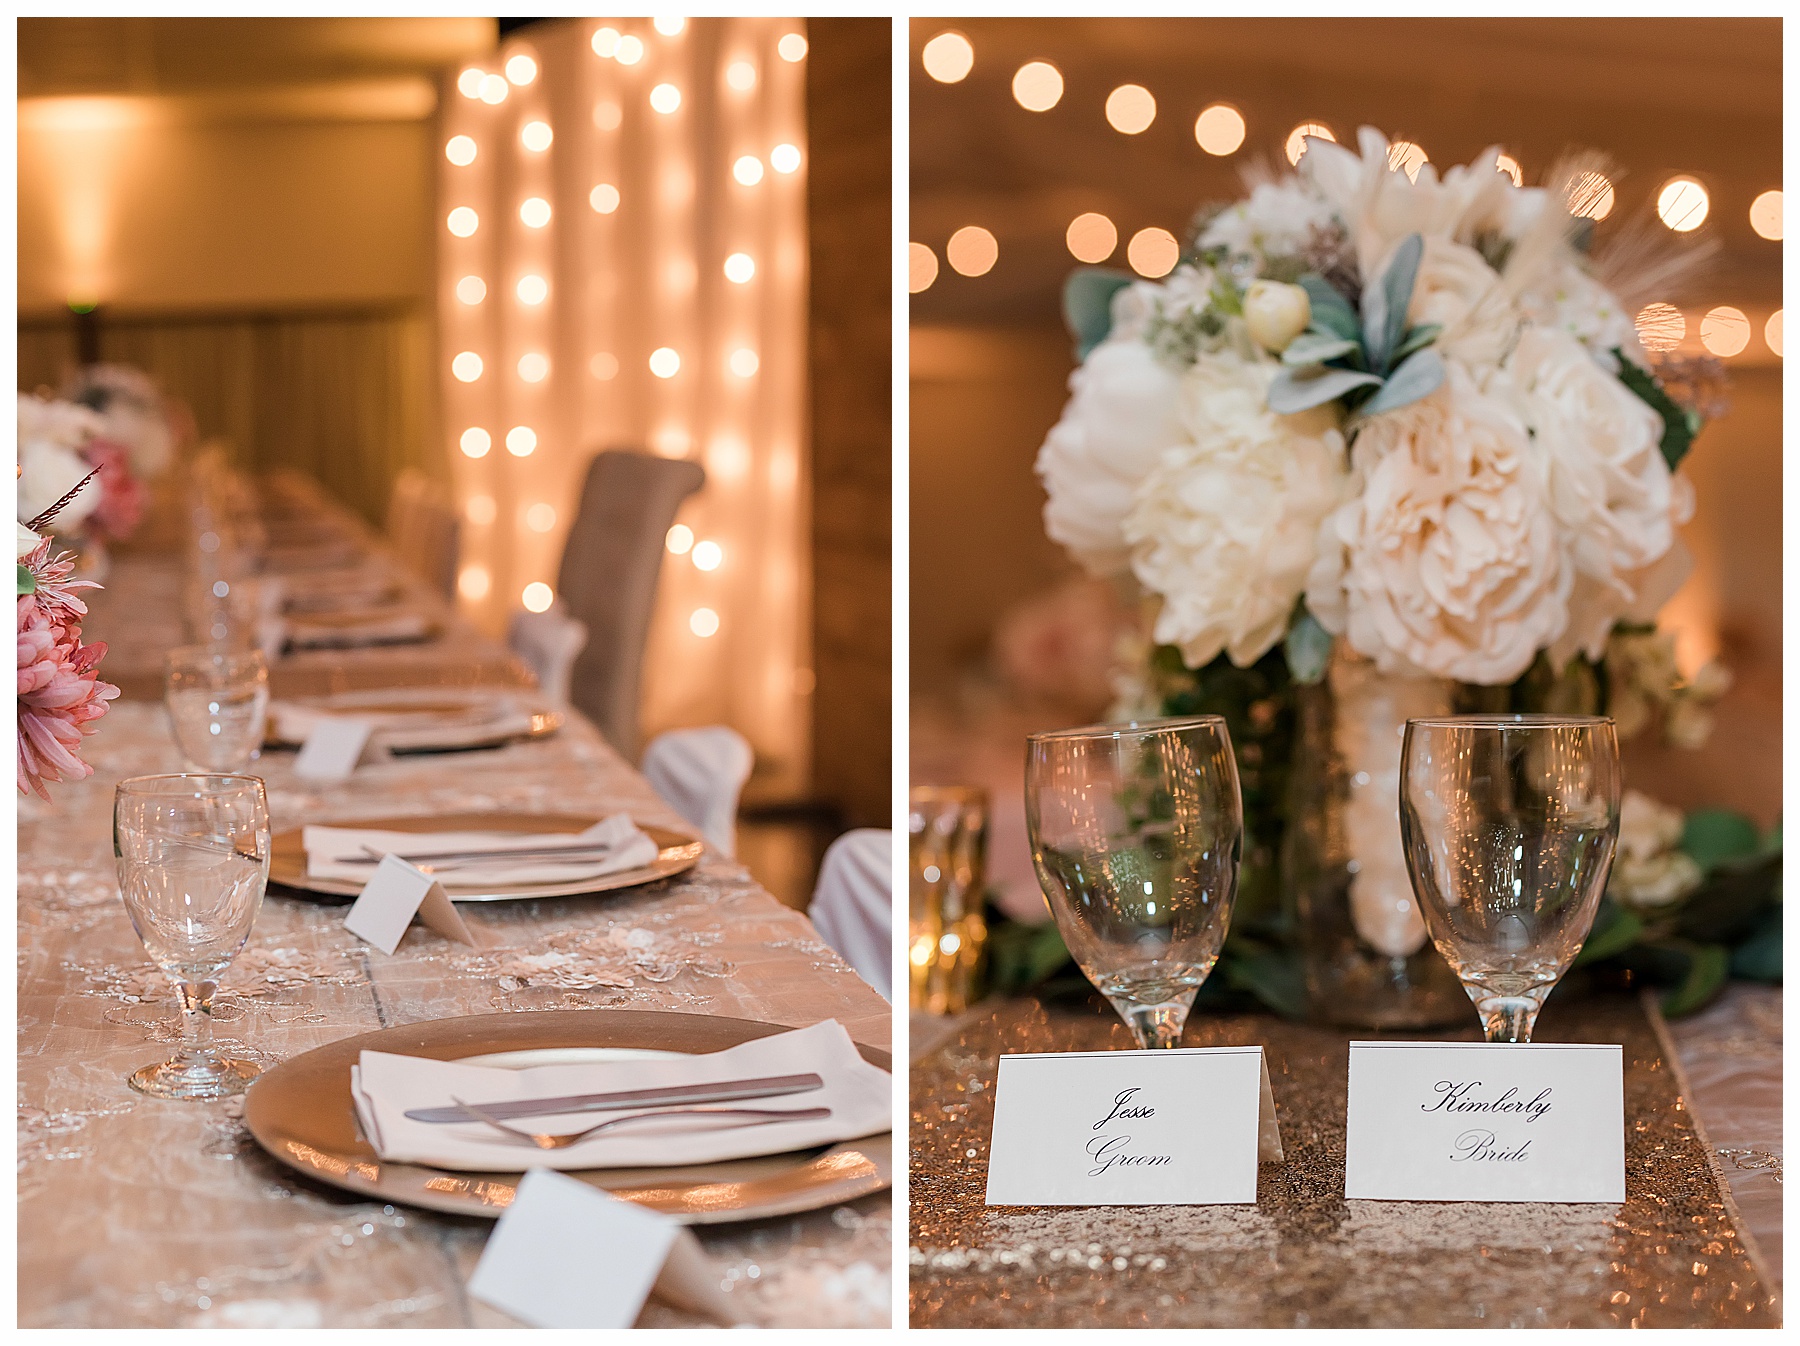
(1447, 561)
(1275, 313)
(1225, 525)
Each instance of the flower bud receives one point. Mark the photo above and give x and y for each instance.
(1276, 313)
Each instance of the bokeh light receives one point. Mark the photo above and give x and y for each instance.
(1153, 252)
(1092, 237)
(1220, 129)
(1130, 109)
(972, 251)
(948, 57)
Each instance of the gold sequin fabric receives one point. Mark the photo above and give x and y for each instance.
(1303, 1256)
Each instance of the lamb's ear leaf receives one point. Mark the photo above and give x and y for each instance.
(1308, 649)
(1384, 303)
(1416, 339)
(27, 580)
(1313, 348)
(1331, 312)
(1419, 375)
(1296, 390)
(1087, 305)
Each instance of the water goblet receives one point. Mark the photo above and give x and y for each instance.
(1136, 831)
(218, 701)
(193, 859)
(1509, 823)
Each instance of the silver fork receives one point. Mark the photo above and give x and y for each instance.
(545, 1141)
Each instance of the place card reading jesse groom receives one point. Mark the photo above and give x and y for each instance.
(1144, 1128)
(1486, 1121)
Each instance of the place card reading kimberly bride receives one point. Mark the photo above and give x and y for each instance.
(1482, 1121)
(1143, 1128)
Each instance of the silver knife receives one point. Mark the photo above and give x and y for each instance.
(723, 1092)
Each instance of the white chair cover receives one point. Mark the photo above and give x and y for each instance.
(549, 642)
(699, 772)
(853, 906)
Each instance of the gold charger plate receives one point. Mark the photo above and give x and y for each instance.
(433, 719)
(300, 1112)
(676, 854)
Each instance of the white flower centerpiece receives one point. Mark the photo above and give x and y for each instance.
(1381, 446)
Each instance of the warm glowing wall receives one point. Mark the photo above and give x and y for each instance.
(622, 263)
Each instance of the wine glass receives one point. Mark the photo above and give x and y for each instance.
(1136, 831)
(193, 859)
(218, 701)
(1509, 824)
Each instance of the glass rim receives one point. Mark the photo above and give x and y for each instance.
(1127, 728)
(226, 779)
(1522, 720)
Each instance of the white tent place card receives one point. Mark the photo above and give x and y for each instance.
(1138, 1128)
(399, 891)
(565, 1254)
(1486, 1121)
(333, 746)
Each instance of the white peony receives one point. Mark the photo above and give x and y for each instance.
(1123, 413)
(1225, 525)
(1610, 488)
(50, 435)
(1380, 205)
(1277, 219)
(1447, 561)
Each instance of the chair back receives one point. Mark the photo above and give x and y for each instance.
(700, 773)
(853, 905)
(549, 643)
(610, 565)
(423, 529)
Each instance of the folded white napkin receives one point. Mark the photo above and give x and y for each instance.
(326, 632)
(385, 1087)
(610, 845)
(401, 726)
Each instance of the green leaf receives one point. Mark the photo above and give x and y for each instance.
(1614, 931)
(1759, 957)
(1679, 425)
(1717, 836)
(1312, 348)
(1706, 977)
(1087, 305)
(27, 580)
(1384, 304)
(1225, 297)
(1331, 312)
(1295, 390)
(1273, 975)
(1417, 339)
(1421, 375)
(1730, 905)
(1308, 649)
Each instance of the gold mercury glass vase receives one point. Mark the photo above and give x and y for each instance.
(947, 933)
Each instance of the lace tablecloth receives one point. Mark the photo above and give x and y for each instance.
(143, 1213)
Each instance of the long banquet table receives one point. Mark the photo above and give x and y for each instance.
(135, 1212)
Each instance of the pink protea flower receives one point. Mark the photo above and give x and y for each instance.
(60, 693)
(122, 496)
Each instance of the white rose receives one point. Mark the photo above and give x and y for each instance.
(1610, 487)
(1225, 525)
(1447, 561)
(50, 432)
(1123, 414)
(1648, 871)
(1461, 293)
(1276, 313)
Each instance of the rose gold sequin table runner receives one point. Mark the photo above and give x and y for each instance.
(1303, 1256)
(139, 1212)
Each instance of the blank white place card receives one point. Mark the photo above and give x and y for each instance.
(398, 891)
(1139, 1128)
(1486, 1121)
(333, 746)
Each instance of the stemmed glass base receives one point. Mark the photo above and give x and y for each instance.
(195, 1075)
(1155, 1025)
(1508, 1018)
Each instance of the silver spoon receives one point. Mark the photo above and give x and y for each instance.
(545, 1141)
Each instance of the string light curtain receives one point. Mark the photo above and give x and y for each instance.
(623, 265)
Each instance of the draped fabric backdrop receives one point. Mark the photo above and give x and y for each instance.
(615, 320)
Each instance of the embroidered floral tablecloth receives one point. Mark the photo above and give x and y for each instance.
(134, 1212)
